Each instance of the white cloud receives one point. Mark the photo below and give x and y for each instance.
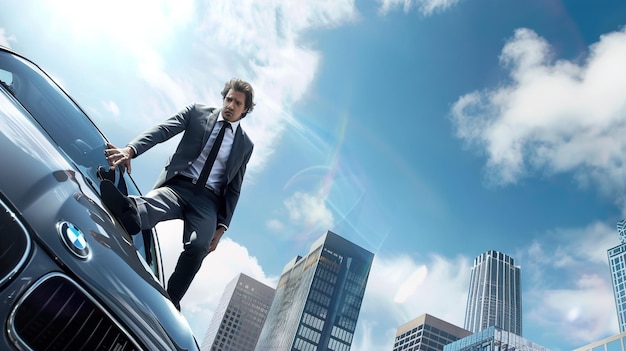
(275, 225)
(552, 116)
(4, 39)
(426, 7)
(370, 337)
(437, 286)
(574, 248)
(578, 306)
(440, 288)
(133, 26)
(581, 314)
(218, 269)
(410, 285)
(111, 107)
(309, 210)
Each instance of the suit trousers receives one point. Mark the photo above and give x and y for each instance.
(176, 200)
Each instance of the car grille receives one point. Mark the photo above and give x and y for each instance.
(56, 314)
(14, 243)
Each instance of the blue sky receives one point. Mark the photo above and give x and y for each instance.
(426, 131)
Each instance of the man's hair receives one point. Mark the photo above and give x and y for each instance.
(243, 87)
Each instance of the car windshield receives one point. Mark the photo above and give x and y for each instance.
(55, 112)
(72, 131)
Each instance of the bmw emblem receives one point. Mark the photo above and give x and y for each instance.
(74, 239)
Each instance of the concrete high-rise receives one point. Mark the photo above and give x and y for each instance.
(318, 298)
(617, 263)
(239, 316)
(427, 333)
(495, 294)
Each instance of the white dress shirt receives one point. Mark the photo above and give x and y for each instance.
(217, 176)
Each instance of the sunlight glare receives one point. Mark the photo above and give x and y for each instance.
(573, 314)
(131, 23)
(409, 287)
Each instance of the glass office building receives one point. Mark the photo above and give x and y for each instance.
(239, 316)
(613, 343)
(427, 333)
(494, 339)
(617, 258)
(318, 298)
(495, 294)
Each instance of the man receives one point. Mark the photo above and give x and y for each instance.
(200, 183)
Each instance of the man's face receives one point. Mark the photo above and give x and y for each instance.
(234, 105)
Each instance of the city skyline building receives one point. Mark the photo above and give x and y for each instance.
(612, 343)
(427, 333)
(617, 264)
(318, 298)
(239, 316)
(495, 294)
(494, 339)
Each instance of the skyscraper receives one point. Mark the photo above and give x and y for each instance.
(427, 333)
(495, 294)
(239, 316)
(318, 298)
(617, 263)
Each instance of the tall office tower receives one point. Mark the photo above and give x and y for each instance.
(427, 333)
(617, 262)
(239, 316)
(318, 298)
(495, 294)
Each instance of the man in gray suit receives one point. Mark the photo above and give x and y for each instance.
(201, 181)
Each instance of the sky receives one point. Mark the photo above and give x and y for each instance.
(425, 131)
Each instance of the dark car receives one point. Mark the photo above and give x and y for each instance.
(71, 278)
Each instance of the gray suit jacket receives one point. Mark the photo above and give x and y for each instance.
(197, 121)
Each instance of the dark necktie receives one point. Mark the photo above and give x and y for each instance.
(210, 160)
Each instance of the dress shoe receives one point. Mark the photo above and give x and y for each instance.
(122, 207)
